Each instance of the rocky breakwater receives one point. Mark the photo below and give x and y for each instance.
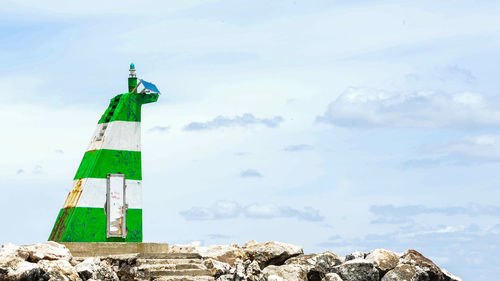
(271, 261)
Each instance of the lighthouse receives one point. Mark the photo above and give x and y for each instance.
(105, 203)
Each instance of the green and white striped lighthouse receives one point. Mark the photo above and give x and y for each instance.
(105, 204)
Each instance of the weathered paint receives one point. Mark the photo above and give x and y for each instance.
(75, 194)
(89, 225)
(91, 192)
(100, 163)
(118, 135)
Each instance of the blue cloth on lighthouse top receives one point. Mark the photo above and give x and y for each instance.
(150, 86)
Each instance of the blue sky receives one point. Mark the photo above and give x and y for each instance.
(340, 125)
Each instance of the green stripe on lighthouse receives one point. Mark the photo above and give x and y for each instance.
(105, 204)
(73, 225)
(100, 163)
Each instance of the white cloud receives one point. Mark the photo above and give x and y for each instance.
(250, 173)
(463, 74)
(160, 129)
(262, 211)
(390, 214)
(482, 147)
(231, 209)
(298, 147)
(244, 120)
(219, 210)
(463, 151)
(363, 107)
(225, 209)
(273, 211)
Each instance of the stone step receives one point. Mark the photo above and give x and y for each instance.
(108, 257)
(180, 272)
(169, 256)
(142, 261)
(182, 278)
(161, 266)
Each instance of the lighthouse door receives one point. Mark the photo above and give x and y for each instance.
(116, 207)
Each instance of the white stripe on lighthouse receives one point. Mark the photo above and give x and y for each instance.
(118, 135)
(91, 193)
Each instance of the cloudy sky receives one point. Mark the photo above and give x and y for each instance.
(339, 125)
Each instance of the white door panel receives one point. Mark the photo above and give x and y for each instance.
(116, 208)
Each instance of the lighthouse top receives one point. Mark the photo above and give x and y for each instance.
(132, 70)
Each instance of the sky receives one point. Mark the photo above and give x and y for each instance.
(334, 125)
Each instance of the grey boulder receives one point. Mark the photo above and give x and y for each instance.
(288, 272)
(406, 272)
(384, 260)
(271, 253)
(94, 268)
(317, 265)
(331, 277)
(357, 270)
(412, 257)
(355, 255)
(59, 270)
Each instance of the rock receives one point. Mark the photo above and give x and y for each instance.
(225, 277)
(87, 268)
(188, 248)
(239, 270)
(384, 260)
(415, 258)
(48, 251)
(24, 271)
(271, 253)
(326, 261)
(331, 277)
(126, 272)
(355, 255)
(288, 272)
(250, 243)
(306, 261)
(253, 271)
(94, 268)
(449, 276)
(406, 272)
(357, 270)
(10, 256)
(223, 253)
(217, 268)
(317, 265)
(9, 251)
(13, 265)
(60, 270)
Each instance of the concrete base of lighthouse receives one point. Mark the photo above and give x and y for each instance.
(103, 249)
